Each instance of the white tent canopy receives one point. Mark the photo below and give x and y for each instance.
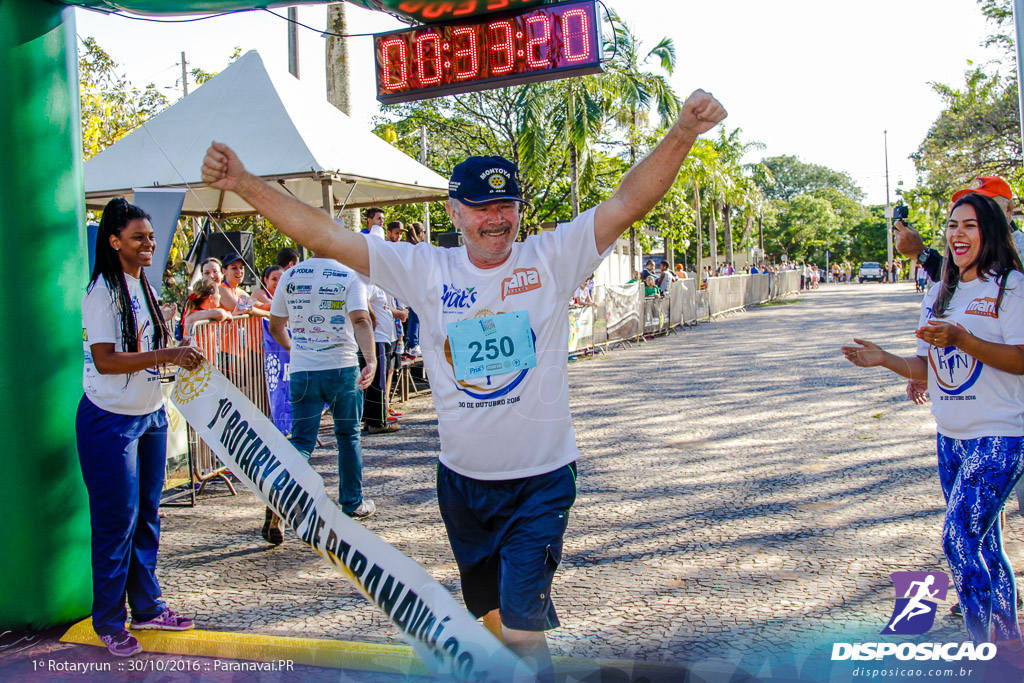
(303, 144)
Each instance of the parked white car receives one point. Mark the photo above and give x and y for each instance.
(870, 270)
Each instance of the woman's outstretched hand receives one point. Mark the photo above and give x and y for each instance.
(867, 355)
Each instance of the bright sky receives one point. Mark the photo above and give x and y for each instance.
(816, 79)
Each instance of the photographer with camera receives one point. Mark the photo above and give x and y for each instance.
(909, 243)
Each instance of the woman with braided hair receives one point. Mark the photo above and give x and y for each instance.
(122, 428)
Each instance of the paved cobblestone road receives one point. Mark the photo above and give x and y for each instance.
(741, 486)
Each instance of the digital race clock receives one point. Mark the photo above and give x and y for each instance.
(528, 45)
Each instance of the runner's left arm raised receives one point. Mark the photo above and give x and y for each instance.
(646, 183)
(309, 226)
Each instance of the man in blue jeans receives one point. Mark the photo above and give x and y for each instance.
(324, 305)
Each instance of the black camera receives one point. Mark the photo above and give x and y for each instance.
(900, 213)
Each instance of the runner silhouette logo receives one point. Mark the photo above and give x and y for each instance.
(917, 594)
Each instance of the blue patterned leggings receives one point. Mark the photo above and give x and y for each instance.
(977, 476)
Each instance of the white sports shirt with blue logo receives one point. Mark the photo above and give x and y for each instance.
(317, 296)
(514, 424)
(969, 399)
(135, 394)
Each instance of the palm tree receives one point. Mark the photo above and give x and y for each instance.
(631, 91)
(737, 188)
(702, 168)
(573, 110)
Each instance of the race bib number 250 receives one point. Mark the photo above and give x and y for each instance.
(492, 345)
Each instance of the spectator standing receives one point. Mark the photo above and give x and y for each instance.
(203, 303)
(665, 278)
(415, 235)
(651, 287)
(374, 217)
(263, 296)
(324, 304)
(234, 273)
(375, 397)
(971, 345)
(121, 428)
(275, 362)
(910, 244)
(212, 269)
(287, 257)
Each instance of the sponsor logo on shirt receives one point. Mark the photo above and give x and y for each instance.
(522, 280)
(985, 306)
(338, 320)
(330, 290)
(330, 272)
(292, 288)
(300, 301)
(332, 305)
(454, 297)
(302, 271)
(316, 319)
(317, 329)
(955, 371)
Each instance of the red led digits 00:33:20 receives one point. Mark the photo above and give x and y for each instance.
(537, 44)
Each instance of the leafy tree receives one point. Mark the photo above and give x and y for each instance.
(868, 238)
(200, 76)
(790, 177)
(807, 226)
(978, 133)
(633, 90)
(111, 106)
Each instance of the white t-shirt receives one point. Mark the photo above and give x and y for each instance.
(509, 425)
(666, 281)
(317, 296)
(385, 331)
(135, 394)
(969, 399)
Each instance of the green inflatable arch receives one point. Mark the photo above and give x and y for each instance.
(44, 528)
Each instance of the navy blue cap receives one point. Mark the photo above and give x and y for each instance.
(480, 180)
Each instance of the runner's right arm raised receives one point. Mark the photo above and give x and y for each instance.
(309, 226)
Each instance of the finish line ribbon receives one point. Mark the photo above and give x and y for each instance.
(446, 637)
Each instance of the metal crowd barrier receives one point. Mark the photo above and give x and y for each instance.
(629, 316)
(235, 347)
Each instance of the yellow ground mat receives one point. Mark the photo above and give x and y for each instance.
(336, 654)
(399, 659)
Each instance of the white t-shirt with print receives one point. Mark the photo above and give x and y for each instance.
(384, 332)
(135, 394)
(317, 297)
(509, 425)
(970, 399)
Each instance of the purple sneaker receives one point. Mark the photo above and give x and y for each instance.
(169, 620)
(122, 644)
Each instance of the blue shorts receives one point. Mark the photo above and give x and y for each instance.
(507, 540)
